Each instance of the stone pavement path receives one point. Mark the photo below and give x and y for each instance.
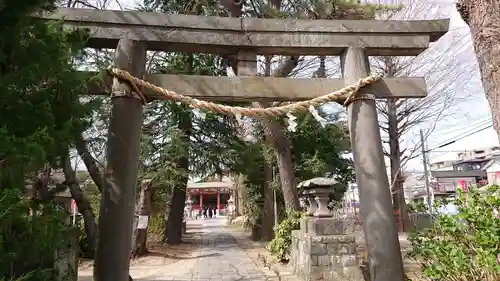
(219, 258)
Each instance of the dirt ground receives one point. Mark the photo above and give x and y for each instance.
(157, 260)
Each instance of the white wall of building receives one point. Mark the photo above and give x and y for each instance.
(479, 153)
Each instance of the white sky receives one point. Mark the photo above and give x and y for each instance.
(471, 115)
(468, 116)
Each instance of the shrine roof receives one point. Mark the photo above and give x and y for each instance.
(210, 184)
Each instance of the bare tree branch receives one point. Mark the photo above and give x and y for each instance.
(441, 66)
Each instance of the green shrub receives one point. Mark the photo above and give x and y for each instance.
(156, 227)
(280, 246)
(251, 210)
(418, 207)
(463, 246)
(28, 243)
(85, 250)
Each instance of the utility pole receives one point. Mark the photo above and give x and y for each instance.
(426, 173)
(275, 201)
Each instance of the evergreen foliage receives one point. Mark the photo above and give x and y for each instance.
(40, 116)
(28, 244)
(40, 109)
(174, 131)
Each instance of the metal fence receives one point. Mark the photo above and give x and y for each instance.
(348, 211)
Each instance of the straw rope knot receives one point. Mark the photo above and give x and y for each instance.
(347, 94)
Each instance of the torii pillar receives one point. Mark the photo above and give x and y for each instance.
(379, 223)
(114, 243)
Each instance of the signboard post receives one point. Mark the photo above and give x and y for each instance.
(73, 210)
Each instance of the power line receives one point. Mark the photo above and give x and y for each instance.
(452, 141)
(461, 130)
(449, 142)
(450, 151)
(458, 126)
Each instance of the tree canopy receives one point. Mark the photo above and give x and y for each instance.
(40, 109)
(40, 116)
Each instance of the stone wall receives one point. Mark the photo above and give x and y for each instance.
(421, 221)
(67, 259)
(321, 250)
(184, 227)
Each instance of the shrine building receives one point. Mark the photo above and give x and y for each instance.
(211, 193)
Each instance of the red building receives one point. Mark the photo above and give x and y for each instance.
(210, 193)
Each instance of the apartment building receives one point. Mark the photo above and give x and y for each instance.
(463, 172)
(482, 153)
(468, 169)
(442, 165)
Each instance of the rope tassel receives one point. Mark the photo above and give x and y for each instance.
(292, 124)
(238, 118)
(322, 121)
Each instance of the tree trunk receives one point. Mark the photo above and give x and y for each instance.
(90, 163)
(96, 175)
(484, 22)
(173, 227)
(397, 179)
(83, 204)
(139, 248)
(280, 141)
(282, 146)
(240, 194)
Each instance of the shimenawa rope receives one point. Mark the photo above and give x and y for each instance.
(349, 93)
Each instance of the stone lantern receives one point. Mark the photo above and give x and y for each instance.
(257, 227)
(322, 249)
(317, 193)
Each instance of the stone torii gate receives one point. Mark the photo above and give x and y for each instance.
(133, 33)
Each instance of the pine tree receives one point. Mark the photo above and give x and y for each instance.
(40, 115)
(180, 143)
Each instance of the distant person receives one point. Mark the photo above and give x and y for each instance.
(210, 212)
(215, 212)
(205, 212)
